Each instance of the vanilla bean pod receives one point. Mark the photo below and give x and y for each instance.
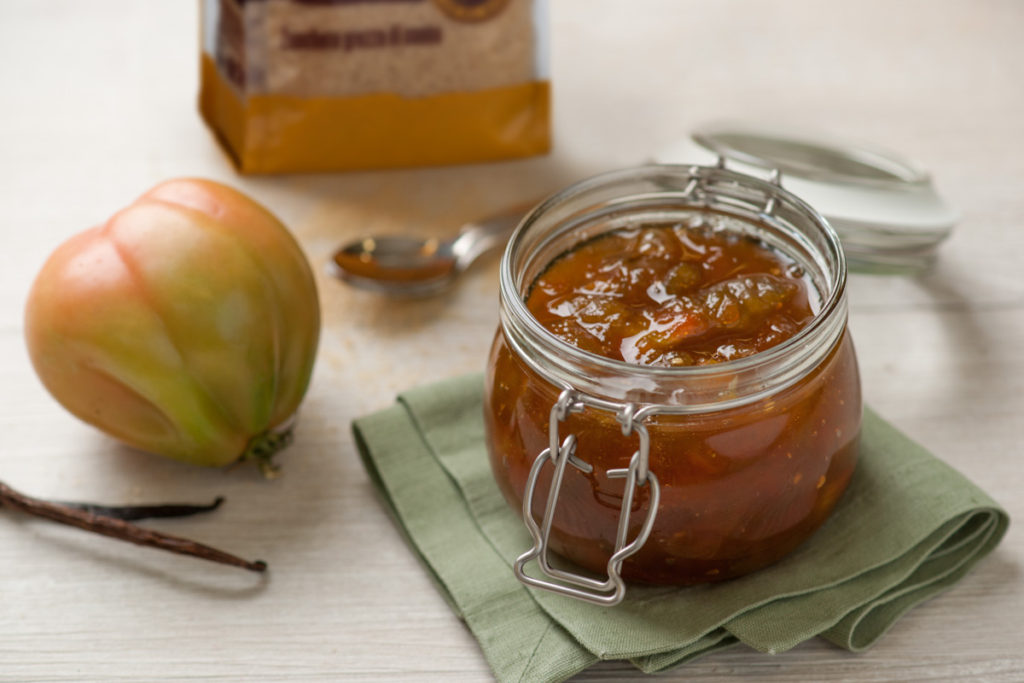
(131, 513)
(120, 529)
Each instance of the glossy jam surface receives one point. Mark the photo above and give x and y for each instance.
(671, 296)
(740, 488)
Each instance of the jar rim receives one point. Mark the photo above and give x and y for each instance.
(514, 304)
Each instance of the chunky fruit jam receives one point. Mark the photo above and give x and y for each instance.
(740, 487)
(672, 296)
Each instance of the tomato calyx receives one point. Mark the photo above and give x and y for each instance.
(262, 448)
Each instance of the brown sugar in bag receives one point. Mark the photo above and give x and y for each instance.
(325, 85)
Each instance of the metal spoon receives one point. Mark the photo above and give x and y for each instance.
(413, 266)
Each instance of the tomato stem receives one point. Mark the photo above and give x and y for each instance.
(262, 448)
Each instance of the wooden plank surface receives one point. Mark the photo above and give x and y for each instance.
(99, 104)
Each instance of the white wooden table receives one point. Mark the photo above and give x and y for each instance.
(99, 104)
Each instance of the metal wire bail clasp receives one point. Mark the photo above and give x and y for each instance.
(613, 589)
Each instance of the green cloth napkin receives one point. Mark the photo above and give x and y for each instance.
(908, 527)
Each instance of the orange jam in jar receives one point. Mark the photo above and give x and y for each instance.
(672, 390)
(671, 296)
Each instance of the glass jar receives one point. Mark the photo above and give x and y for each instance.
(670, 475)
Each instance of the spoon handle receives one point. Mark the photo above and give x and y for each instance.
(480, 236)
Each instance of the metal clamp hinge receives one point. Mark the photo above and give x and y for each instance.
(774, 177)
(611, 590)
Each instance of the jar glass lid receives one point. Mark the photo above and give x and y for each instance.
(884, 207)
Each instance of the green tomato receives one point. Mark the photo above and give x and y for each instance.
(186, 326)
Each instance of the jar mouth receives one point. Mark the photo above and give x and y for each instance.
(759, 203)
